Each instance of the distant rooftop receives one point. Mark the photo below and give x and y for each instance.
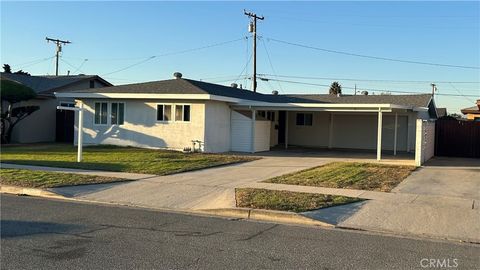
(46, 84)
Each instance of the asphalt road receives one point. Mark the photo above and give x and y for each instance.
(49, 234)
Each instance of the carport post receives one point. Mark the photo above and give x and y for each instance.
(286, 129)
(395, 135)
(379, 135)
(253, 130)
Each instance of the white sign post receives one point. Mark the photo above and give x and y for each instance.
(80, 128)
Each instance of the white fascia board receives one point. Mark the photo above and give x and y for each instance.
(145, 96)
(305, 109)
(315, 105)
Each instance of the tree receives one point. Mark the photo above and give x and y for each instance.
(335, 89)
(11, 93)
(7, 68)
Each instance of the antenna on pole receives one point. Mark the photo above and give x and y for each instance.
(59, 44)
(252, 28)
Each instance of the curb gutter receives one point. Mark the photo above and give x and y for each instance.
(30, 192)
(265, 215)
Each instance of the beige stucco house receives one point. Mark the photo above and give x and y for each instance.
(48, 124)
(178, 113)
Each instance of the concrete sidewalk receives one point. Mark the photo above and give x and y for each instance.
(445, 205)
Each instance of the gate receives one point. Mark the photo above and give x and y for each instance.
(455, 138)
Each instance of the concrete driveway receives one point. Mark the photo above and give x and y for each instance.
(453, 177)
(446, 205)
(203, 189)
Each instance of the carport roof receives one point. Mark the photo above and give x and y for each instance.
(192, 87)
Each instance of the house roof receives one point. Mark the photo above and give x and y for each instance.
(441, 112)
(474, 109)
(187, 86)
(48, 84)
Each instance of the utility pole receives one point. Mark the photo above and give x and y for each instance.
(434, 88)
(59, 44)
(252, 28)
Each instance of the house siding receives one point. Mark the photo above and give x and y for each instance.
(40, 126)
(141, 128)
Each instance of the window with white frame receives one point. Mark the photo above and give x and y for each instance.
(164, 112)
(101, 113)
(117, 113)
(304, 119)
(182, 113)
(67, 104)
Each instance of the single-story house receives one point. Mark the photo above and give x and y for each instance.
(472, 113)
(177, 113)
(48, 124)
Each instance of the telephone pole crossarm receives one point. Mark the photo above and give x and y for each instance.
(59, 44)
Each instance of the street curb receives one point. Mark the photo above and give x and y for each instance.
(30, 192)
(265, 215)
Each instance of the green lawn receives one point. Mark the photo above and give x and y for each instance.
(114, 158)
(287, 200)
(353, 175)
(44, 179)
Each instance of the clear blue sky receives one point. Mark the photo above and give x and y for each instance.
(114, 35)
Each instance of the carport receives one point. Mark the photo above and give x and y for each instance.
(382, 128)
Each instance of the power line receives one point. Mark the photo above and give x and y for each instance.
(271, 65)
(174, 53)
(366, 80)
(370, 56)
(369, 89)
(453, 86)
(32, 63)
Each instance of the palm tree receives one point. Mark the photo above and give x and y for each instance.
(335, 89)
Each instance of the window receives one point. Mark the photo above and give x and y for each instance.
(92, 84)
(67, 104)
(304, 119)
(164, 112)
(182, 113)
(101, 113)
(117, 113)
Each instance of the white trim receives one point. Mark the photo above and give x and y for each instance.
(254, 113)
(395, 135)
(286, 130)
(322, 105)
(379, 135)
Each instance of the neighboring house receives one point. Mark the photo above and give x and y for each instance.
(173, 113)
(441, 112)
(473, 113)
(47, 124)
